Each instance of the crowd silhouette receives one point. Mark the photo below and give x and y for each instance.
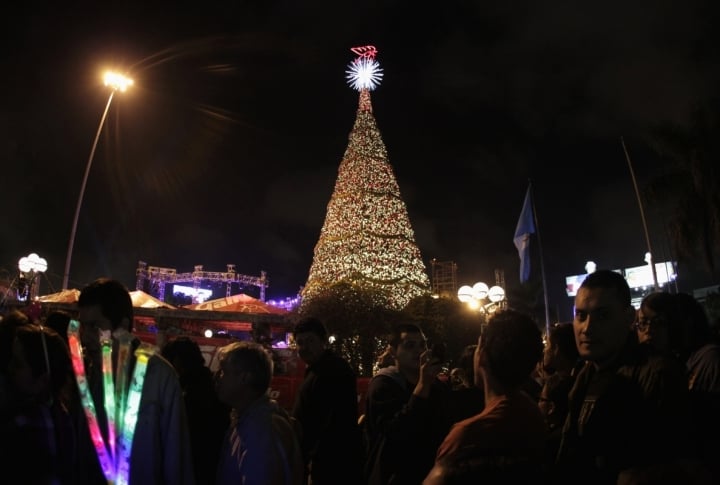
(617, 396)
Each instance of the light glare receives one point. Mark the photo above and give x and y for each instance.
(117, 81)
(364, 73)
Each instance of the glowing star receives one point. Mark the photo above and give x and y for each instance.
(364, 73)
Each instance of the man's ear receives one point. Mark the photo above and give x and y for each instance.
(551, 408)
(482, 356)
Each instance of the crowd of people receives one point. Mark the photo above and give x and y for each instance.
(618, 396)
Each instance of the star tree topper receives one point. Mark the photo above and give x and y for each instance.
(364, 72)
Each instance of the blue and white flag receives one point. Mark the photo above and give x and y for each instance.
(525, 227)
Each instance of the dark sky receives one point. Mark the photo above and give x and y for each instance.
(226, 149)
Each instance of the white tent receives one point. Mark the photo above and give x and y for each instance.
(140, 299)
(65, 296)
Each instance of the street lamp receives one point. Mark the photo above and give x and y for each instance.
(116, 82)
(481, 297)
(30, 267)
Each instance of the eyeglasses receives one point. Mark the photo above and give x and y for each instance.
(644, 323)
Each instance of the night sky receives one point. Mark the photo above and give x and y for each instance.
(227, 147)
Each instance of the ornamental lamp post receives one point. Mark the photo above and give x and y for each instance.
(482, 298)
(116, 82)
(30, 267)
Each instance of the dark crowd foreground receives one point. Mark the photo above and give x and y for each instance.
(618, 396)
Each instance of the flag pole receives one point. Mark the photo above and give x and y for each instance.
(542, 263)
(642, 216)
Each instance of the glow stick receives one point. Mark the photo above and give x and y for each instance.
(143, 354)
(108, 388)
(121, 377)
(87, 401)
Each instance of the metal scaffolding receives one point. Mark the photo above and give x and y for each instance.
(162, 276)
(444, 278)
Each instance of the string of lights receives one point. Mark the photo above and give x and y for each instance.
(367, 238)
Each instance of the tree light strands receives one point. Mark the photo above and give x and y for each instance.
(143, 354)
(364, 73)
(96, 436)
(367, 240)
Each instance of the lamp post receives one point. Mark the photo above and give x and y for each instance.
(480, 297)
(30, 267)
(115, 82)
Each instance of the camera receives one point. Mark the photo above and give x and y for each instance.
(438, 350)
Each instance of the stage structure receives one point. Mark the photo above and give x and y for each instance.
(163, 276)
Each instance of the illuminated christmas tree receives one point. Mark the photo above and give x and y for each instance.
(367, 240)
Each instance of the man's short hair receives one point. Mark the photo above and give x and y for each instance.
(312, 325)
(59, 320)
(185, 350)
(8, 326)
(695, 321)
(607, 279)
(395, 336)
(46, 353)
(512, 345)
(112, 297)
(250, 357)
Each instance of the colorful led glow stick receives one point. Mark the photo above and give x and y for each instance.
(143, 354)
(96, 436)
(121, 377)
(118, 401)
(108, 388)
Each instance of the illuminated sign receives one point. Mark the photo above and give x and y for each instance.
(572, 283)
(199, 295)
(636, 277)
(642, 277)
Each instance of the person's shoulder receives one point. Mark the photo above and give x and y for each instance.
(157, 360)
(332, 363)
(667, 365)
(388, 376)
(161, 369)
(707, 353)
(388, 384)
(462, 432)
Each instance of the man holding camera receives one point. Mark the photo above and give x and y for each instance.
(402, 429)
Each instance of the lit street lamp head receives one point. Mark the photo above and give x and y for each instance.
(33, 263)
(30, 268)
(117, 81)
(476, 296)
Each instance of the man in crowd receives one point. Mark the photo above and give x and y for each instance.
(626, 409)
(161, 444)
(260, 446)
(507, 439)
(326, 409)
(405, 419)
